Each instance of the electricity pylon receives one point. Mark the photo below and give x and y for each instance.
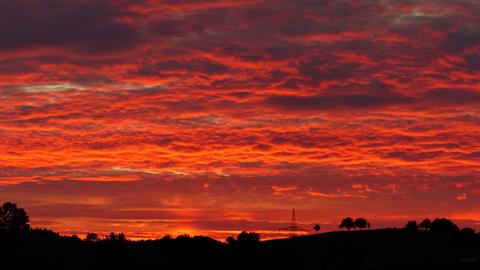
(293, 228)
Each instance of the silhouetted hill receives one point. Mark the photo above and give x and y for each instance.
(368, 249)
(376, 249)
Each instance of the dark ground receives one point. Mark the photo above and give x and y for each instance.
(369, 249)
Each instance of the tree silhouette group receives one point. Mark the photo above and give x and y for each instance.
(349, 223)
(437, 225)
(23, 247)
(15, 219)
(244, 238)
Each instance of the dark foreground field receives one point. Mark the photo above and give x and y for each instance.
(368, 249)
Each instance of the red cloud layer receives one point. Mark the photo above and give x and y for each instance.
(217, 116)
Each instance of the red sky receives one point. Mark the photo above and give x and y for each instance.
(212, 117)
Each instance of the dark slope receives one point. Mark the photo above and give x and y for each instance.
(372, 249)
(375, 249)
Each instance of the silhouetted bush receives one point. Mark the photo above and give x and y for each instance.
(183, 237)
(230, 240)
(167, 237)
(72, 238)
(248, 237)
(115, 237)
(425, 224)
(468, 236)
(411, 226)
(468, 231)
(443, 225)
(91, 237)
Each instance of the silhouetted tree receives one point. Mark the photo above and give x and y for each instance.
(183, 237)
(425, 224)
(411, 226)
(248, 237)
(73, 237)
(13, 218)
(360, 223)
(316, 227)
(121, 237)
(443, 225)
(347, 223)
(116, 237)
(91, 237)
(368, 225)
(230, 240)
(167, 237)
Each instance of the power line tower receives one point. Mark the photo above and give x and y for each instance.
(293, 228)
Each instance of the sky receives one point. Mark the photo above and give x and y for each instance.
(213, 117)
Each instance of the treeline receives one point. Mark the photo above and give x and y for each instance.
(15, 219)
(436, 244)
(437, 225)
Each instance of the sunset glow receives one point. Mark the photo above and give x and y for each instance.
(213, 117)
